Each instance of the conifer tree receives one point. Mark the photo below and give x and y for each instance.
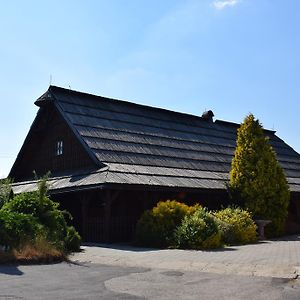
(257, 178)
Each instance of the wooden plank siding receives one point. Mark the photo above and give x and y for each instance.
(39, 153)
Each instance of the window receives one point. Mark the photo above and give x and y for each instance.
(59, 148)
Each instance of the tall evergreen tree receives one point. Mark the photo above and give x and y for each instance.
(257, 178)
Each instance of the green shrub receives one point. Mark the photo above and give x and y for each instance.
(72, 239)
(5, 190)
(256, 177)
(198, 231)
(226, 231)
(16, 229)
(236, 225)
(44, 210)
(39, 207)
(156, 227)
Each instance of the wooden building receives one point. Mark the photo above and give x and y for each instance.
(110, 160)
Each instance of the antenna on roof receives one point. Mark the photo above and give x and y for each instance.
(50, 79)
(70, 87)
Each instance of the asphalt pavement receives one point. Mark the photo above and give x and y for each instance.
(270, 258)
(61, 281)
(267, 270)
(93, 281)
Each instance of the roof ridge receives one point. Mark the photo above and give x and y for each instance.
(165, 110)
(144, 106)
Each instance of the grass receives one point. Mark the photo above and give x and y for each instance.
(41, 252)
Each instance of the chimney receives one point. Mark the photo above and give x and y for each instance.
(208, 116)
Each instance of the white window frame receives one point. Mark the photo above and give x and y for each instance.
(59, 148)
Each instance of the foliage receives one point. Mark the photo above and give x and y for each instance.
(198, 231)
(72, 239)
(44, 210)
(257, 178)
(5, 190)
(236, 225)
(156, 227)
(17, 229)
(38, 216)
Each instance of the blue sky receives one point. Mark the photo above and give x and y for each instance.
(231, 56)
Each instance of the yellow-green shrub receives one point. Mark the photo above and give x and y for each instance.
(156, 227)
(236, 225)
(257, 181)
(198, 231)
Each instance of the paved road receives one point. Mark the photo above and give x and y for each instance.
(275, 258)
(93, 281)
(259, 271)
(61, 281)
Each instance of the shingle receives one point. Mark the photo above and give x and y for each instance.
(151, 146)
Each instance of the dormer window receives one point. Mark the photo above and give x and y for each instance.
(59, 148)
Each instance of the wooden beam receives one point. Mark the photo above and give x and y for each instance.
(84, 215)
(145, 198)
(297, 204)
(109, 197)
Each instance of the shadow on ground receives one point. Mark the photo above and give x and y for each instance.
(121, 246)
(10, 270)
(288, 238)
(131, 248)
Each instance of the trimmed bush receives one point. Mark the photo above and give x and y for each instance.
(198, 231)
(156, 227)
(236, 225)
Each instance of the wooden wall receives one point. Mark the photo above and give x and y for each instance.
(39, 151)
(89, 210)
(293, 219)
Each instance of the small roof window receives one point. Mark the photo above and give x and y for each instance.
(59, 148)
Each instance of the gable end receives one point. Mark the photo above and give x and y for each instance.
(39, 152)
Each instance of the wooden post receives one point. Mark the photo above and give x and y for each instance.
(145, 197)
(109, 197)
(155, 197)
(297, 203)
(84, 215)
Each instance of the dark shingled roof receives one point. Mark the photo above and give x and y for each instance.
(140, 145)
